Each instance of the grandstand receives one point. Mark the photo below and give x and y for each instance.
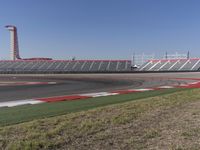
(48, 65)
(97, 66)
(64, 66)
(191, 64)
(146, 63)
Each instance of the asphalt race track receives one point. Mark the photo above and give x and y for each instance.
(19, 87)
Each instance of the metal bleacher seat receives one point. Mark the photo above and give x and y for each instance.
(86, 66)
(52, 66)
(113, 66)
(121, 66)
(144, 66)
(128, 66)
(178, 65)
(61, 66)
(196, 66)
(77, 66)
(171, 65)
(44, 65)
(65, 66)
(95, 66)
(20, 65)
(187, 65)
(28, 65)
(69, 66)
(167, 66)
(193, 64)
(7, 64)
(35, 66)
(104, 66)
(149, 66)
(157, 66)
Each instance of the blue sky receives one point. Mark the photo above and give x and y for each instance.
(101, 29)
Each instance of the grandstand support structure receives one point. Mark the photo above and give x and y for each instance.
(14, 47)
(139, 60)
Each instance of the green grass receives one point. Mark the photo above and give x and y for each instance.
(25, 113)
(129, 125)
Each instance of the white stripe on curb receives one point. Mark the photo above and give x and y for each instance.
(99, 94)
(194, 83)
(165, 87)
(183, 85)
(140, 90)
(20, 102)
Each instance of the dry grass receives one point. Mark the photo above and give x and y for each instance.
(164, 122)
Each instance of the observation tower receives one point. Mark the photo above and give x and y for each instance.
(14, 47)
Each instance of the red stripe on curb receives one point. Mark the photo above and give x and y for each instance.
(197, 85)
(188, 79)
(63, 98)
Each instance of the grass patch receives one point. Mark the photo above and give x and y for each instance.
(100, 128)
(151, 134)
(24, 113)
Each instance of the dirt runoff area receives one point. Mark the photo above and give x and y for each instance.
(164, 122)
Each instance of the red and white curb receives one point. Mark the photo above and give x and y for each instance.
(195, 84)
